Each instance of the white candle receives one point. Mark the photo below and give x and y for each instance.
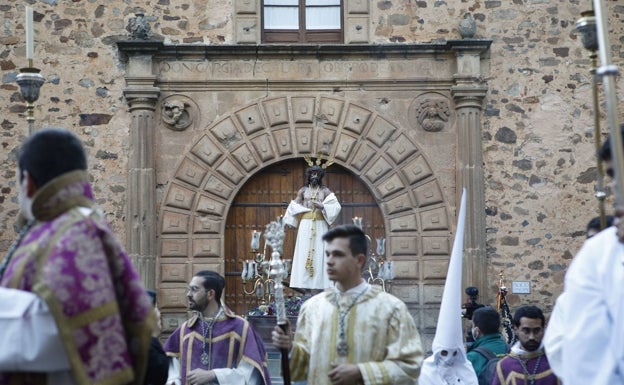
(30, 42)
(255, 240)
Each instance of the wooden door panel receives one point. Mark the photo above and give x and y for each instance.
(265, 197)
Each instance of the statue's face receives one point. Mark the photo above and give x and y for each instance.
(314, 178)
(315, 175)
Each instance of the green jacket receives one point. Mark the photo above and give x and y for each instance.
(494, 342)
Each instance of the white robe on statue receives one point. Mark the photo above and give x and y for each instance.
(592, 350)
(310, 236)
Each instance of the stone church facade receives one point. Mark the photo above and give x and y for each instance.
(178, 121)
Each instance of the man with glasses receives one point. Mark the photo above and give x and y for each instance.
(527, 363)
(215, 346)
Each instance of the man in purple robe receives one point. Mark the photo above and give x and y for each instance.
(215, 346)
(68, 256)
(527, 363)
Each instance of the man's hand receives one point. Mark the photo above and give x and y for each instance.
(280, 339)
(345, 374)
(200, 377)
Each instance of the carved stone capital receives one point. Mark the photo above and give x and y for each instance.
(142, 98)
(469, 96)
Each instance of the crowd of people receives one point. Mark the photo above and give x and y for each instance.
(75, 291)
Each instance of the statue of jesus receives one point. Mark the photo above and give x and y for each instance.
(314, 209)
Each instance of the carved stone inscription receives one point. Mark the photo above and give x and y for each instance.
(304, 69)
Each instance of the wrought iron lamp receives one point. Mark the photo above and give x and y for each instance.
(380, 270)
(29, 79)
(30, 82)
(256, 275)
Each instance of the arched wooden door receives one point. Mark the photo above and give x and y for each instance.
(265, 197)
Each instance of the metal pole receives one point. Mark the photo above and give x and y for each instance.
(608, 72)
(599, 193)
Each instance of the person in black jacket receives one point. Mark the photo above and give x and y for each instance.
(157, 361)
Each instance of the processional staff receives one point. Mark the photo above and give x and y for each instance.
(503, 309)
(274, 236)
(608, 72)
(586, 26)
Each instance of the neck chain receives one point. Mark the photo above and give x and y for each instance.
(342, 348)
(530, 377)
(207, 331)
(22, 233)
(314, 193)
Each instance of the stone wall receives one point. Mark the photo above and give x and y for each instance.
(537, 126)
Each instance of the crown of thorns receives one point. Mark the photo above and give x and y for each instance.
(319, 161)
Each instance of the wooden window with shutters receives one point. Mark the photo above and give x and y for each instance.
(302, 21)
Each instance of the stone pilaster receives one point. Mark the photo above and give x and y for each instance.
(247, 23)
(468, 93)
(357, 22)
(142, 97)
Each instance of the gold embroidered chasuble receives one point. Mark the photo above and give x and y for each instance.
(71, 259)
(380, 333)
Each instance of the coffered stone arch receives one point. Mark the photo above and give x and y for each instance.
(384, 155)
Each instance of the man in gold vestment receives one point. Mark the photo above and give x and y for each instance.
(353, 333)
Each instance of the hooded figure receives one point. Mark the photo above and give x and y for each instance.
(448, 364)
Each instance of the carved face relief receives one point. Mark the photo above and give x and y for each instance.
(175, 115)
(431, 111)
(433, 114)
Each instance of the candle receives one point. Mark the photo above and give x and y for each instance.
(260, 290)
(357, 221)
(30, 43)
(244, 273)
(381, 246)
(251, 270)
(255, 240)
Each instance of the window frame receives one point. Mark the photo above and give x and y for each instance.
(311, 36)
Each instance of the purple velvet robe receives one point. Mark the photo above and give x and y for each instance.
(73, 261)
(510, 371)
(238, 341)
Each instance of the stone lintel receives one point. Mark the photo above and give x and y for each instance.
(296, 51)
(470, 45)
(139, 47)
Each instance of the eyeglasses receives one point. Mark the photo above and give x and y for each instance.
(193, 289)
